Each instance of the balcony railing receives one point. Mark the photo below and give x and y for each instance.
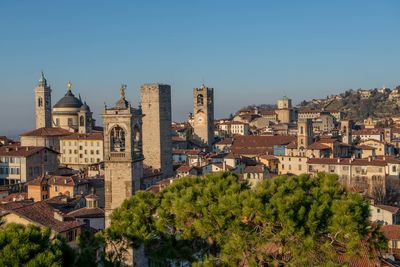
(117, 154)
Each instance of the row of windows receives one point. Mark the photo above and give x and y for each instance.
(70, 151)
(6, 170)
(75, 143)
(290, 167)
(75, 160)
(10, 159)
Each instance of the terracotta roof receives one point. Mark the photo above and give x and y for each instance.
(14, 197)
(22, 151)
(318, 146)
(14, 205)
(87, 213)
(42, 213)
(184, 168)
(57, 180)
(347, 161)
(391, 232)
(89, 136)
(391, 209)
(47, 132)
(292, 145)
(262, 140)
(226, 141)
(254, 169)
(373, 131)
(268, 157)
(365, 147)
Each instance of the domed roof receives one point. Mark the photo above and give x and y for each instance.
(69, 101)
(85, 107)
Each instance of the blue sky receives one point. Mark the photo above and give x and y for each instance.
(251, 52)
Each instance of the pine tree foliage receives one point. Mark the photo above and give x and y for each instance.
(217, 220)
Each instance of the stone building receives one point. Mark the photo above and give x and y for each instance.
(123, 155)
(203, 103)
(157, 142)
(43, 104)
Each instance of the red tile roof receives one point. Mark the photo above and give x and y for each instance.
(391, 209)
(184, 168)
(318, 146)
(43, 214)
(391, 232)
(22, 151)
(89, 136)
(57, 180)
(87, 213)
(47, 132)
(347, 161)
(373, 131)
(254, 169)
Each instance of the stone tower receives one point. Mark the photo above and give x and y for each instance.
(203, 103)
(123, 157)
(157, 143)
(85, 119)
(284, 111)
(345, 131)
(304, 133)
(43, 104)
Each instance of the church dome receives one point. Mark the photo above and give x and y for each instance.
(69, 101)
(85, 107)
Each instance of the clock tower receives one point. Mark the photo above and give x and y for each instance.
(43, 104)
(203, 103)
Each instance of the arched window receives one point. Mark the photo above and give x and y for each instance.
(137, 145)
(40, 102)
(344, 129)
(301, 130)
(117, 139)
(82, 121)
(200, 100)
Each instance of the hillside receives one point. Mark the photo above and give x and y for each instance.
(359, 104)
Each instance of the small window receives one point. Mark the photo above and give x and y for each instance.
(378, 210)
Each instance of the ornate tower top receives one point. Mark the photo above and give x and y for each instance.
(42, 81)
(122, 102)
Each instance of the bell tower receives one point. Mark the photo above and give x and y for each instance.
(304, 133)
(123, 156)
(43, 104)
(203, 105)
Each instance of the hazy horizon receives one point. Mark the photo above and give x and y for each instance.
(250, 53)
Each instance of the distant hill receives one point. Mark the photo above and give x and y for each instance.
(360, 104)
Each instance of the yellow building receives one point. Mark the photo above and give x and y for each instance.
(81, 150)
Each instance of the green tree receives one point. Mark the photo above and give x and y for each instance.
(217, 220)
(32, 246)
